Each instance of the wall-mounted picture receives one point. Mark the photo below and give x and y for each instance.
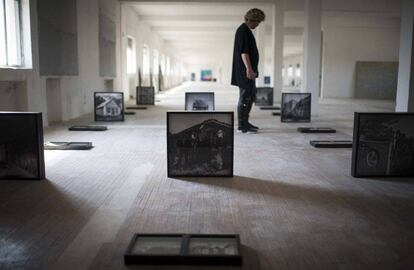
(383, 144)
(266, 80)
(296, 107)
(199, 101)
(264, 96)
(109, 106)
(200, 143)
(206, 75)
(21, 146)
(145, 95)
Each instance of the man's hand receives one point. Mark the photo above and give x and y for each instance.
(250, 74)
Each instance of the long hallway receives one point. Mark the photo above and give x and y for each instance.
(294, 206)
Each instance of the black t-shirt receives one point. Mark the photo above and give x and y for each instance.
(244, 42)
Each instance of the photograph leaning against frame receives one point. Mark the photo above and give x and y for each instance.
(296, 107)
(199, 101)
(200, 143)
(383, 145)
(21, 146)
(145, 95)
(185, 249)
(264, 96)
(109, 106)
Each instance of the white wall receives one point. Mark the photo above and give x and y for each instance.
(357, 39)
(77, 91)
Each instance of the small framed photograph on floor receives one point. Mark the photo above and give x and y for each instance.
(200, 143)
(296, 107)
(21, 146)
(199, 101)
(383, 145)
(264, 96)
(145, 95)
(109, 106)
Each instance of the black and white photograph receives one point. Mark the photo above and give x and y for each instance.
(296, 107)
(200, 143)
(213, 246)
(157, 245)
(264, 96)
(21, 146)
(109, 106)
(199, 101)
(383, 144)
(145, 95)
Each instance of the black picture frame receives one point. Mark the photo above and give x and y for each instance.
(21, 146)
(331, 143)
(145, 95)
(316, 130)
(199, 101)
(296, 107)
(200, 144)
(383, 144)
(68, 146)
(264, 96)
(88, 128)
(109, 106)
(184, 249)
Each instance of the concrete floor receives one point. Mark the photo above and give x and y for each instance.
(294, 206)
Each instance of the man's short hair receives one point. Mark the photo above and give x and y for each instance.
(255, 14)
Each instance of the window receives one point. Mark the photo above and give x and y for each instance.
(145, 60)
(290, 71)
(131, 56)
(283, 71)
(297, 72)
(168, 70)
(156, 62)
(10, 33)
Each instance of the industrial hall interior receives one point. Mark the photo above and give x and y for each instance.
(206, 134)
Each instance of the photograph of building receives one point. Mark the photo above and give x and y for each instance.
(176, 167)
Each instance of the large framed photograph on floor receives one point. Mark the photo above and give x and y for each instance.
(21, 146)
(109, 106)
(200, 143)
(145, 95)
(199, 101)
(296, 107)
(383, 144)
(264, 96)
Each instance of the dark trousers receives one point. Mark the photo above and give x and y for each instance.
(246, 99)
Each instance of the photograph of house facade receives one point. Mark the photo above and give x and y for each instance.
(109, 106)
(200, 143)
(296, 107)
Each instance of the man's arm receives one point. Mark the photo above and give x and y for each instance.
(249, 70)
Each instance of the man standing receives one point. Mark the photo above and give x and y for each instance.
(245, 62)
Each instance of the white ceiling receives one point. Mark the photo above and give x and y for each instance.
(200, 32)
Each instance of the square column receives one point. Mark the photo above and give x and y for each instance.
(405, 88)
(312, 51)
(277, 45)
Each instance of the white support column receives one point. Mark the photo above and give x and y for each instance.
(261, 39)
(277, 45)
(312, 51)
(405, 89)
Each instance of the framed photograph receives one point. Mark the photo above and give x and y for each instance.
(316, 130)
(264, 96)
(109, 106)
(21, 146)
(296, 107)
(200, 143)
(68, 146)
(332, 144)
(88, 128)
(145, 95)
(383, 145)
(199, 101)
(186, 249)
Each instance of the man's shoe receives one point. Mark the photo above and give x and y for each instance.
(252, 126)
(249, 130)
